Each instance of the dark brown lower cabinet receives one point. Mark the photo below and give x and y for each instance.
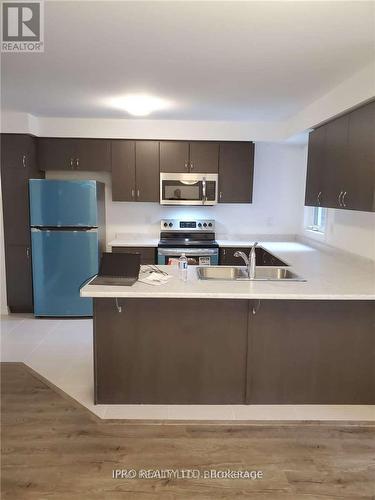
(211, 351)
(148, 254)
(263, 258)
(170, 351)
(19, 281)
(312, 352)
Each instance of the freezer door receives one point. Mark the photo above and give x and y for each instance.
(62, 262)
(55, 203)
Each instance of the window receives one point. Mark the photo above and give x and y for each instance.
(316, 219)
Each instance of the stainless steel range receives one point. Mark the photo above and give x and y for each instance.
(194, 238)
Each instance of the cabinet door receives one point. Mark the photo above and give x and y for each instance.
(174, 156)
(315, 181)
(360, 185)
(148, 254)
(92, 154)
(56, 154)
(311, 352)
(123, 170)
(204, 157)
(18, 278)
(18, 164)
(336, 158)
(236, 170)
(147, 170)
(17, 151)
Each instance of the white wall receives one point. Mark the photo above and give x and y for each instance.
(278, 194)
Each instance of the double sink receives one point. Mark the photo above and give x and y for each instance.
(240, 273)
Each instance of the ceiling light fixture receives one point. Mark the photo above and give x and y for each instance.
(139, 104)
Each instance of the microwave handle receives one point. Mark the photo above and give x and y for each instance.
(204, 190)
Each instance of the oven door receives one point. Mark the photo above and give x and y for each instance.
(195, 256)
(188, 189)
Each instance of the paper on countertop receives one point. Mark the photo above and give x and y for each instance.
(154, 278)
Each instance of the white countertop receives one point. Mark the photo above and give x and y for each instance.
(329, 275)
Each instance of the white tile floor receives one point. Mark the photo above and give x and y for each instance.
(61, 351)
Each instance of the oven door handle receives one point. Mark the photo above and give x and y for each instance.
(204, 190)
(188, 251)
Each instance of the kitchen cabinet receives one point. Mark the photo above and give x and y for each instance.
(162, 351)
(236, 172)
(148, 254)
(360, 186)
(311, 352)
(204, 157)
(74, 154)
(19, 278)
(18, 165)
(315, 180)
(185, 157)
(135, 171)
(174, 156)
(263, 258)
(341, 162)
(337, 169)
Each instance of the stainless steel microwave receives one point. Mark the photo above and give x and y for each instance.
(188, 189)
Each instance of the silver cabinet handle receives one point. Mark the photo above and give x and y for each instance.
(339, 198)
(191, 165)
(137, 193)
(77, 162)
(24, 161)
(71, 163)
(187, 165)
(133, 193)
(224, 251)
(319, 198)
(256, 308)
(27, 252)
(343, 199)
(220, 195)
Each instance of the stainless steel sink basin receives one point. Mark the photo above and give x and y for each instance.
(237, 273)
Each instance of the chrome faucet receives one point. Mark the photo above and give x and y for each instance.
(250, 261)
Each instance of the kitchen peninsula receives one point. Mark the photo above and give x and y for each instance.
(223, 342)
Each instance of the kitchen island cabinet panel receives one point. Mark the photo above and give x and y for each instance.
(307, 352)
(162, 351)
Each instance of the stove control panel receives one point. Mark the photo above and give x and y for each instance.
(187, 225)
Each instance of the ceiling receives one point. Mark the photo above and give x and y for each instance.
(236, 61)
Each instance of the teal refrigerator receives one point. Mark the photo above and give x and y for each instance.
(67, 237)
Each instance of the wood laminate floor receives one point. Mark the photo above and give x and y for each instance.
(54, 449)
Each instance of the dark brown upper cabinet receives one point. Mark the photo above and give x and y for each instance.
(236, 172)
(361, 160)
(185, 157)
(336, 172)
(174, 156)
(74, 154)
(123, 170)
(18, 165)
(315, 180)
(135, 171)
(204, 157)
(341, 162)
